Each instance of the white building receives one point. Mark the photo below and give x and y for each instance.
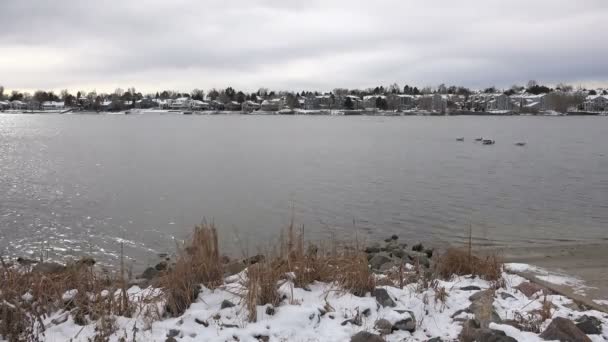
(596, 103)
(53, 105)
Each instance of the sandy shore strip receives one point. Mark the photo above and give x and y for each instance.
(583, 268)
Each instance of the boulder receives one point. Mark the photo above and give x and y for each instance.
(364, 336)
(149, 273)
(418, 247)
(408, 324)
(589, 325)
(529, 288)
(161, 266)
(394, 237)
(270, 310)
(383, 298)
(383, 326)
(435, 339)
(374, 248)
(226, 304)
(173, 333)
(483, 309)
(469, 327)
(562, 329)
(86, 261)
(506, 296)
(470, 288)
(418, 257)
(429, 253)
(378, 260)
(491, 335)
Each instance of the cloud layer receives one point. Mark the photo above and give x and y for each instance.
(297, 45)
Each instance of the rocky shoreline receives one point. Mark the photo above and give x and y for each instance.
(409, 301)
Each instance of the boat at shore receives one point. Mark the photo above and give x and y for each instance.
(488, 142)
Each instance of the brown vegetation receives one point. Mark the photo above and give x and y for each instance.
(460, 261)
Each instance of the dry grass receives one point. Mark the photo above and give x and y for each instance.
(457, 261)
(261, 287)
(197, 263)
(21, 319)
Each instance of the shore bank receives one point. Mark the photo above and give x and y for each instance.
(392, 290)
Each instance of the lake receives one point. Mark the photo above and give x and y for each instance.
(82, 184)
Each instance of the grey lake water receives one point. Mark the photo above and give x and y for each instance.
(82, 184)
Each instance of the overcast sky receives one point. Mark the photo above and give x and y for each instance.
(303, 44)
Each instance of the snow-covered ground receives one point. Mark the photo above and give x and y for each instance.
(324, 313)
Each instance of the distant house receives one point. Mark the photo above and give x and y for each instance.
(272, 105)
(145, 103)
(199, 105)
(250, 106)
(529, 102)
(232, 105)
(180, 103)
(4, 105)
(369, 101)
(16, 104)
(401, 101)
(596, 103)
(52, 105)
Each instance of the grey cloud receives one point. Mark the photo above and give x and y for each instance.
(320, 44)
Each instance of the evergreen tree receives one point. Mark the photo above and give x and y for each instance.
(348, 103)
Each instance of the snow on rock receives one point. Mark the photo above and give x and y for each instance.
(324, 313)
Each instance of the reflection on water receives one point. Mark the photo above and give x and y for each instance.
(75, 184)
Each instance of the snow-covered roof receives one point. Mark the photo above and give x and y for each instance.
(53, 103)
(373, 96)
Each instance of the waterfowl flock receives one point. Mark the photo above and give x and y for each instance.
(490, 141)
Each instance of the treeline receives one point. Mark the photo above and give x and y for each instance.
(92, 98)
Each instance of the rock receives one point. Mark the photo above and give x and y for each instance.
(383, 326)
(201, 322)
(374, 248)
(469, 328)
(421, 258)
(61, 319)
(149, 273)
(383, 298)
(407, 324)
(263, 338)
(388, 240)
(161, 266)
(378, 260)
(26, 261)
(364, 336)
(367, 312)
(470, 288)
(399, 253)
(48, 267)
(418, 247)
(483, 309)
(394, 237)
(353, 321)
(481, 294)
(435, 339)
(491, 335)
(505, 296)
(429, 253)
(270, 311)
(173, 333)
(589, 325)
(170, 339)
(254, 259)
(562, 329)
(226, 304)
(86, 261)
(530, 289)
